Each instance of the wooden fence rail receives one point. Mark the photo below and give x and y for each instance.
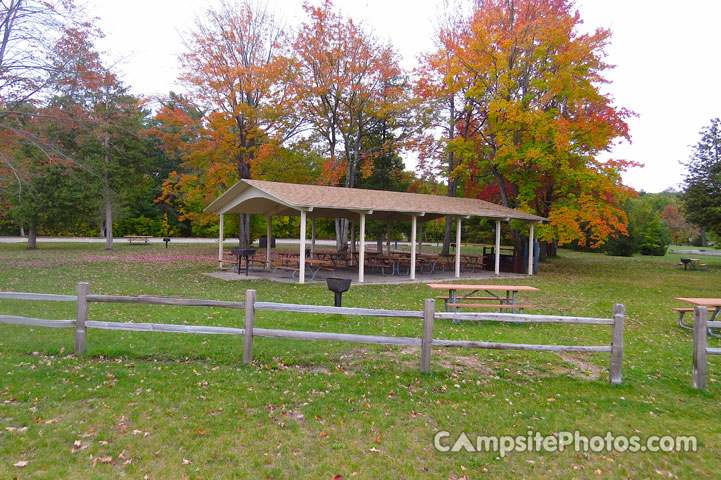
(700, 345)
(249, 331)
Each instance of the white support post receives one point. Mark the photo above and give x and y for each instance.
(530, 249)
(498, 247)
(220, 241)
(268, 238)
(458, 248)
(414, 227)
(362, 253)
(301, 267)
(312, 238)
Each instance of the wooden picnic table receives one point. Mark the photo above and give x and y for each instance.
(144, 238)
(313, 265)
(334, 257)
(710, 303)
(472, 261)
(692, 263)
(506, 300)
(396, 261)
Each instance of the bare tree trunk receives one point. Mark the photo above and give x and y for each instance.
(553, 249)
(451, 181)
(102, 228)
(108, 201)
(244, 231)
(32, 238)
(108, 219)
(379, 243)
(352, 237)
(447, 236)
(341, 235)
(542, 251)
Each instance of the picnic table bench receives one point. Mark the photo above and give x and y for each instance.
(499, 306)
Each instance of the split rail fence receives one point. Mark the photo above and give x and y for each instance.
(700, 345)
(426, 343)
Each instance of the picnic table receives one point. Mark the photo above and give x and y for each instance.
(506, 299)
(137, 238)
(334, 257)
(472, 261)
(313, 265)
(710, 303)
(431, 261)
(692, 263)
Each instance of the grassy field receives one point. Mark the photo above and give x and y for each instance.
(150, 405)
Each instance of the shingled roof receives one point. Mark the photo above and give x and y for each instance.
(288, 199)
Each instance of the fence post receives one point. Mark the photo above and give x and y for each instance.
(429, 310)
(700, 340)
(619, 312)
(81, 316)
(249, 323)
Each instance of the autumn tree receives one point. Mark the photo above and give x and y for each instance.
(442, 85)
(235, 70)
(701, 198)
(29, 30)
(78, 109)
(98, 123)
(533, 85)
(681, 229)
(350, 86)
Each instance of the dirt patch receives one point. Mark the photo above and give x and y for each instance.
(409, 359)
(581, 369)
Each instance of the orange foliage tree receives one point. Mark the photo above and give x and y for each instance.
(353, 95)
(442, 84)
(236, 71)
(537, 115)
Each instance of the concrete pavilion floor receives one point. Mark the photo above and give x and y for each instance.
(370, 278)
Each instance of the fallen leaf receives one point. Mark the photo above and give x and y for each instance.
(77, 446)
(21, 463)
(187, 462)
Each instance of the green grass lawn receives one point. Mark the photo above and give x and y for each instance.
(152, 405)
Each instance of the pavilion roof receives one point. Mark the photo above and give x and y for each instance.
(276, 198)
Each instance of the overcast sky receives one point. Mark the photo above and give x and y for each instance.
(665, 54)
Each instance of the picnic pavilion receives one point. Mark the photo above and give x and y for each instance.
(314, 201)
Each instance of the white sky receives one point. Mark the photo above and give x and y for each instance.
(665, 54)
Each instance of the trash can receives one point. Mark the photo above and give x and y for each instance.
(263, 242)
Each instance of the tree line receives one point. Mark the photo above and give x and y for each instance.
(507, 108)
